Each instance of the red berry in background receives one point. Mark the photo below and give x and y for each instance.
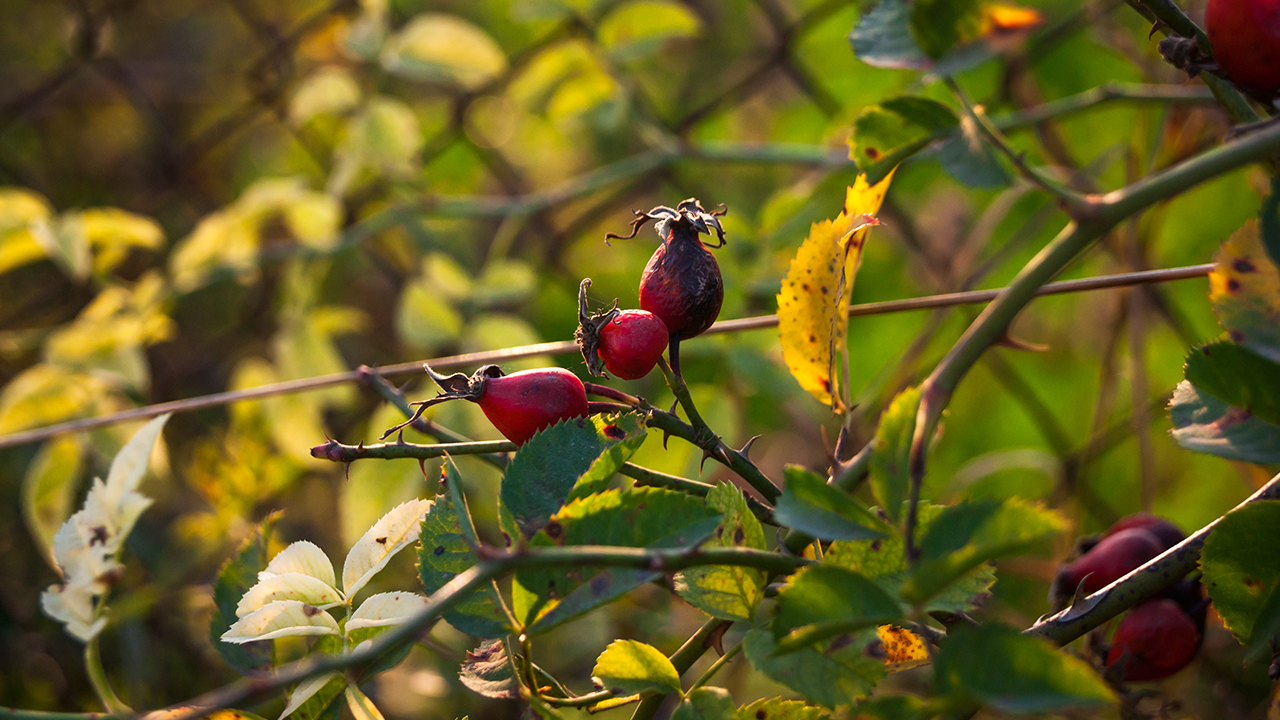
(522, 403)
(1154, 640)
(1165, 531)
(631, 343)
(1245, 35)
(1111, 559)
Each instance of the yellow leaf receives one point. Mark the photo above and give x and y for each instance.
(812, 319)
(1245, 292)
(903, 649)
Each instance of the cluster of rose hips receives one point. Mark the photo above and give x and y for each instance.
(680, 296)
(1159, 636)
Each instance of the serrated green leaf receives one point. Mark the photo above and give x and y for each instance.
(636, 517)
(568, 460)
(487, 671)
(812, 506)
(312, 698)
(1237, 376)
(833, 679)
(885, 562)
(779, 709)
(705, 703)
(1015, 673)
(628, 667)
(236, 576)
(822, 601)
(729, 593)
(883, 38)
(966, 536)
(1203, 423)
(1240, 569)
(890, 464)
(898, 128)
(444, 551)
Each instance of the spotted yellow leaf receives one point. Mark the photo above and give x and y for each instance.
(903, 649)
(812, 320)
(1245, 292)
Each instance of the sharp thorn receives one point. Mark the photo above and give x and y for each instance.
(1009, 341)
(746, 448)
(346, 469)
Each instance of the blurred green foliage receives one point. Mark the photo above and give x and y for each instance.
(208, 196)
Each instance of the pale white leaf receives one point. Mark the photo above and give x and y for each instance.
(301, 557)
(391, 534)
(391, 608)
(282, 618)
(288, 586)
(306, 689)
(73, 606)
(130, 464)
(362, 708)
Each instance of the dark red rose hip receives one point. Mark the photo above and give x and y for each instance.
(1155, 640)
(631, 343)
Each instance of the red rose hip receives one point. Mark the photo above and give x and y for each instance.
(519, 404)
(1246, 41)
(1155, 640)
(631, 343)
(1111, 559)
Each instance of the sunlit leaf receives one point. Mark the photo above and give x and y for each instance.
(1245, 291)
(1203, 423)
(641, 27)
(329, 90)
(628, 667)
(1015, 673)
(44, 394)
(903, 649)
(812, 316)
(362, 708)
(433, 46)
(312, 697)
(391, 534)
(730, 593)
(48, 490)
(283, 618)
(112, 232)
(897, 128)
(779, 709)
(303, 557)
(287, 586)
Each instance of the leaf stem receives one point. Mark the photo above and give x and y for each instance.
(701, 435)
(720, 662)
(98, 679)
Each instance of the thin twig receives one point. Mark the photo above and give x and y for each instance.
(568, 347)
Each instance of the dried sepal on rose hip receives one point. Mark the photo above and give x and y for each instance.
(519, 405)
(682, 283)
(628, 342)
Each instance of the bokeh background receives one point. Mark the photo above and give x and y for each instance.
(203, 195)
